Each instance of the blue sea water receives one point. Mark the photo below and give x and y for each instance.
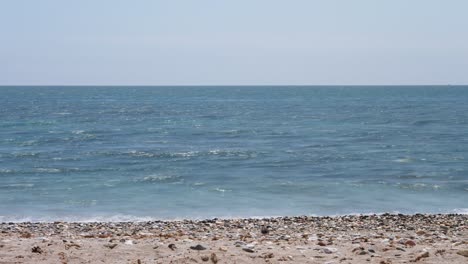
(138, 153)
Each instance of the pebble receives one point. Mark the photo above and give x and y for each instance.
(224, 249)
(111, 246)
(463, 253)
(421, 256)
(36, 249)
(172, 247)
(198, 247)
(329, 250)
(410, 243)
(214, 258)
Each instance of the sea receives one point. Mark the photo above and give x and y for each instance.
(165, 153)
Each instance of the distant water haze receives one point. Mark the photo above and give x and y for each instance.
(127, 153)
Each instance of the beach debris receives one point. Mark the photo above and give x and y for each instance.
(205, 258)
(128, 242)
(410, 243)
(172, 247)
(265, 230)
(214, 258)
(421, 256)
(36, 249)
(111, 246)
(198, 247)
(463, 253)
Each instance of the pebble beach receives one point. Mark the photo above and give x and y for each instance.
(382, 239)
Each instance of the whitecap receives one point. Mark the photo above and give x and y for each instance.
(48, 170)
(406, 160)
(221, 190)
(161, 178)
(78, 132)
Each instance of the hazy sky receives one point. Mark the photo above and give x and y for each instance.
(151, 42)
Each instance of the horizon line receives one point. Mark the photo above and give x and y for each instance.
(223, 85)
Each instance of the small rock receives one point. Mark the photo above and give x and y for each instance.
(410, 243)
(267, 255)
(198, 247)
(26, 235)
(223, 249)
(36, 249)
(205, 258)
(423, 255)
(420, 233)
(264, 230)
(214, 258)
(248, 250)
(111, 246)
(321, 243)
(128, 242)
(329, 250)
(463, 253)
(172, 246)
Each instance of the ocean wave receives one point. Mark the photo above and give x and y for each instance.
(418, 186)
(179, 154)
(48, 170)
(17, 186)
(115, 218)
(161, 179)
(221, 190)
(7, 171)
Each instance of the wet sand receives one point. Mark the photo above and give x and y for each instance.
(345, 239)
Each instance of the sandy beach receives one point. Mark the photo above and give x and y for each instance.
(344, 239)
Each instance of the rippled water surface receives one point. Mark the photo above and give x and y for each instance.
(121, 153)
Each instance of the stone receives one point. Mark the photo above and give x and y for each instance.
(214, 258)
(321, 243)
(198, 247)
(421, 256)
(248, 250)
(329, 250)
(224, 249)
(37, 250)
(463, 253)
(111, 246)
(172, 246)
(205, 258)
(410, 243)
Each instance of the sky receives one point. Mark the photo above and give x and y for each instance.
(240, 42)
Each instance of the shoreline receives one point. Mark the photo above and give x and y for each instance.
(383, 239)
